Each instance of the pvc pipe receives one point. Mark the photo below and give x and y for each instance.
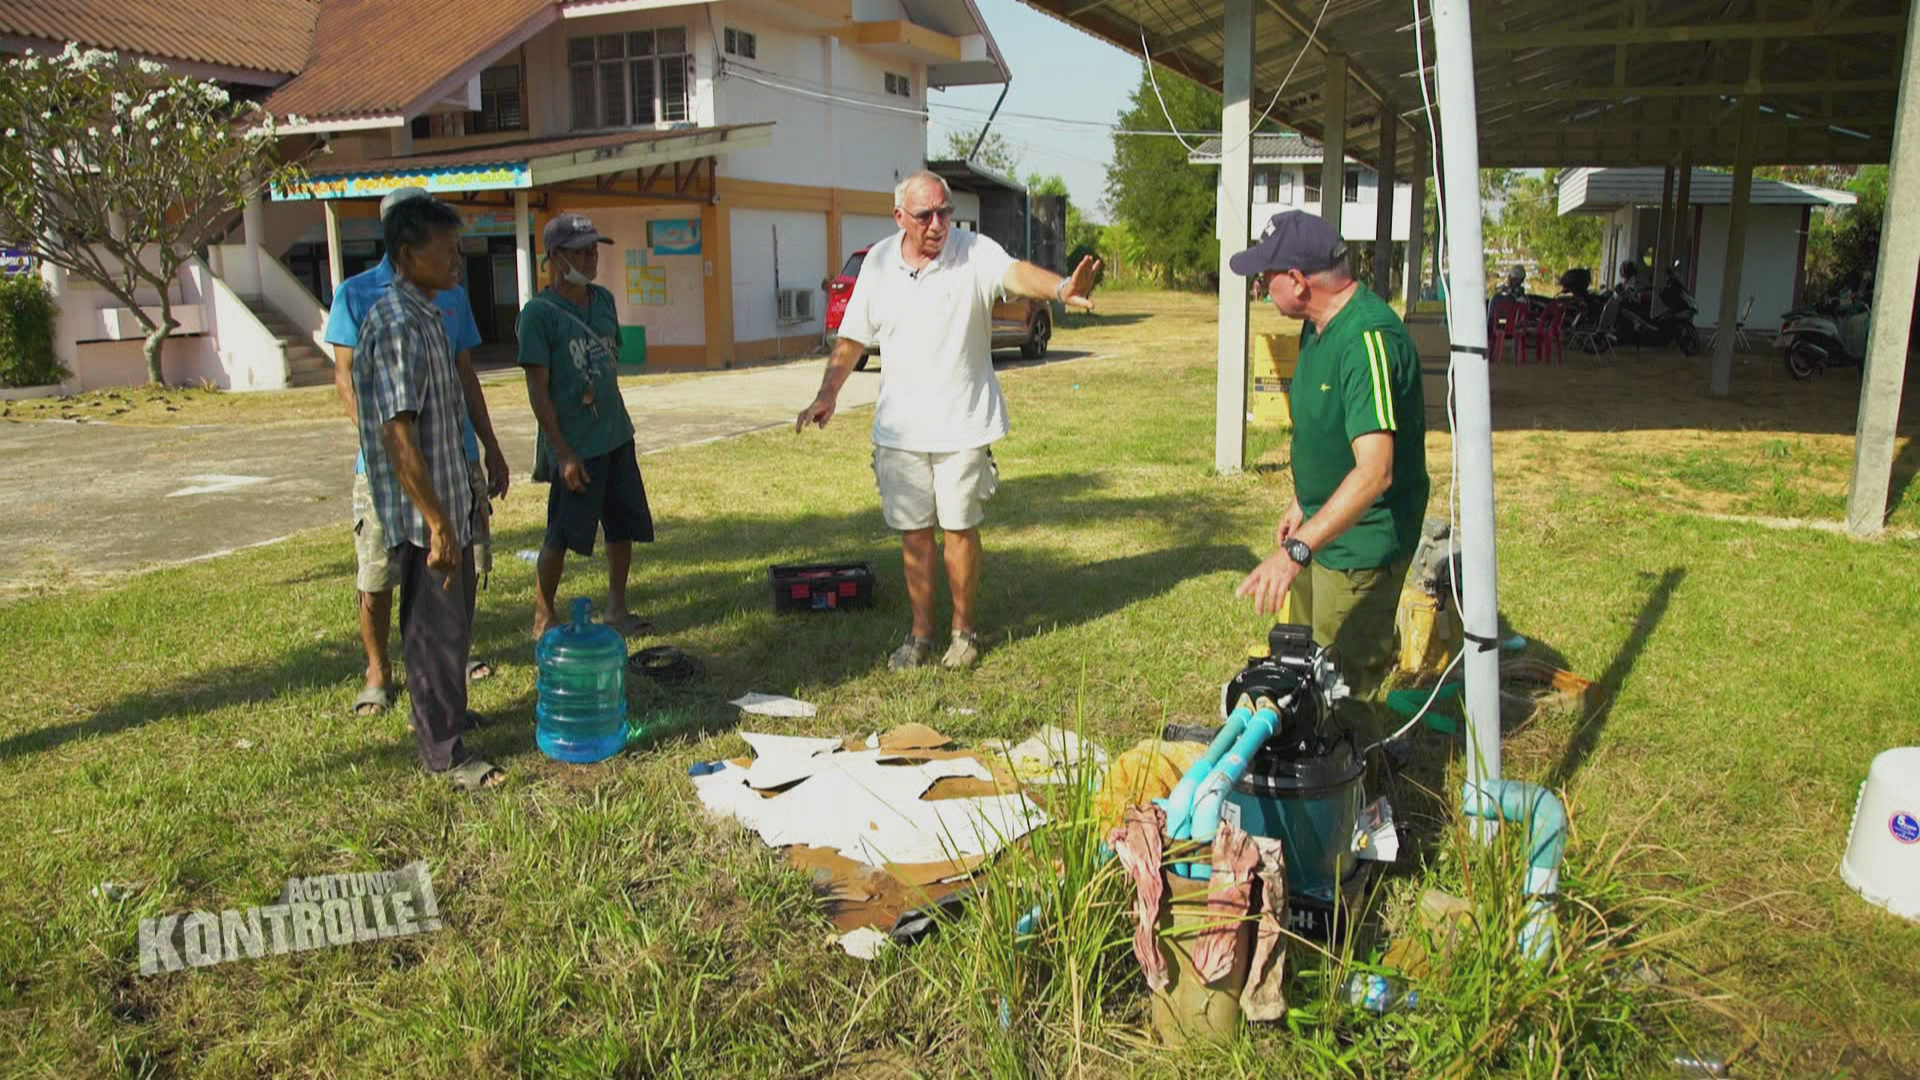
(1545, 818)
(1212, 793)
(1179, 803)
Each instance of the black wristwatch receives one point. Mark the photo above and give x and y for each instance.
(1298, 551)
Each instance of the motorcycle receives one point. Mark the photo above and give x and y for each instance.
(1829, 334)
(1637, 325)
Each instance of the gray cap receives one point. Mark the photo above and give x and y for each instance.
(1295, 240)
(570, 231)
(399, 195)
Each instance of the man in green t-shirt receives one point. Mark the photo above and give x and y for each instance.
(1359, 450)
(569, 347)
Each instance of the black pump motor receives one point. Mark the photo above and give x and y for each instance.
(1293, 667)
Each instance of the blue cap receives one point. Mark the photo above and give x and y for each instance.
(1295, 240)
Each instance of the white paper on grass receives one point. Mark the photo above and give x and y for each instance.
(1052, 755)
(862, 944)
(874, 813)
(775, 705)
(779, 760)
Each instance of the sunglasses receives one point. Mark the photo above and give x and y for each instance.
(944, 213)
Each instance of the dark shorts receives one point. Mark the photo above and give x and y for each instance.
(615, 500)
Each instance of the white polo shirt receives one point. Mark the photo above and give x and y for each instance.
(938, 392)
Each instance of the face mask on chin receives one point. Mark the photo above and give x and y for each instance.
(572, 275)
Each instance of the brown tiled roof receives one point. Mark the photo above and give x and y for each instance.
(504, 153)
(377, 57)
(260, 35)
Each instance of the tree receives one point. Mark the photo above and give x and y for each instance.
(118, 170)
(1167, 204)
(1531, 229)
(994, 152)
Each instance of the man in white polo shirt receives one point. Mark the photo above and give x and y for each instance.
(925, 295)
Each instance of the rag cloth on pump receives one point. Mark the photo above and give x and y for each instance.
(1137, 843)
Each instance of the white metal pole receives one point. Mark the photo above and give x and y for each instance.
(1893, 285)
(336, 263)
(522, 249)
(1473, 411)
(1236, 168)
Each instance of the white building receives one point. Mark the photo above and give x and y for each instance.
(1287, 175)
(701, 137)
(1774, 266)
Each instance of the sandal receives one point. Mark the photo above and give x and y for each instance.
(474, 775)
(479, 670)
(631, 625)
(373, 701)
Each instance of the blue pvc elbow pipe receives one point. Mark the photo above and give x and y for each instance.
(1212, 793)
(1179, 803)
(1545, 818)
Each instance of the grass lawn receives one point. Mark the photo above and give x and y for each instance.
(186, 732)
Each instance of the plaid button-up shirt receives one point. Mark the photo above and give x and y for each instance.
(405, 365)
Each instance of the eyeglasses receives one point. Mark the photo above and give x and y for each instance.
(944, 213)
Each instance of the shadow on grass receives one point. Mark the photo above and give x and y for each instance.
(1581, 746)
(1904, 468)
(1029, 587)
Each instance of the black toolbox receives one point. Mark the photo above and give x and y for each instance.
(822, 586)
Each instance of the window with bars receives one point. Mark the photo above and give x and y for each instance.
(1352, 191)
(630, 80)
(1311, 183)
(742, 43)
(899, 85)
(501, 101)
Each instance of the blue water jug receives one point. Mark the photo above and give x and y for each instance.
(583, 689)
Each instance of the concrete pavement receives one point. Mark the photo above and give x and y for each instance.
(98, 499)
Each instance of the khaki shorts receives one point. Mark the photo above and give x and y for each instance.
(919, 490)
(378, 572)
(1352, 612)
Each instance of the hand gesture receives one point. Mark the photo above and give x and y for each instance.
(1079, 290)
(573, 473)
(1270, 582)
(443, 554)
(498, 475)
(816, 414)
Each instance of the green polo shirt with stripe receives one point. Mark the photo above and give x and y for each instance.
(1357, 375)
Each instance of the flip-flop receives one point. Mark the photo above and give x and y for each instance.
(633, 625)
(373, 701)
(474, 774)
(479, 670)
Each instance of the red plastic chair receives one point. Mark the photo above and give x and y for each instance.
(1505, 319)
(1545, 334)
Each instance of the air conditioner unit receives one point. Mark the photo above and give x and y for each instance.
(796, 305)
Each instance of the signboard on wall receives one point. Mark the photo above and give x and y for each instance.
(15, 262)
(372, 185)
(674, 236)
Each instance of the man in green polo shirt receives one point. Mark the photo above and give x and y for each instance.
(1359, 452)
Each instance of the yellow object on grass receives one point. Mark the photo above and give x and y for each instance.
(1430, 637)
(1147, 772)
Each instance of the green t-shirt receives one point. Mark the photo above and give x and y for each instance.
(1358, 375)
(583, 369)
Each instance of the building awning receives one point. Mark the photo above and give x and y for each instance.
(1601, 191)
(525, 164)
(973, 176)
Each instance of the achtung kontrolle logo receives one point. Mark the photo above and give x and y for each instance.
(313, 913)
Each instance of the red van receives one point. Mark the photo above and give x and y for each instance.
(1019, 323)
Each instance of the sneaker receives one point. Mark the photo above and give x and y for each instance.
(913, 653)
(963, 653)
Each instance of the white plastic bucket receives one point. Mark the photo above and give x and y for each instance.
(1882, 862)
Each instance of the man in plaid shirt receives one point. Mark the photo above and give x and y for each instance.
(412, 410)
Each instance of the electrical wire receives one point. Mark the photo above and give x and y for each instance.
(1253, 128)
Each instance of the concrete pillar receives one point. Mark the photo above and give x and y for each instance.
(522, 248)
(253, 225)
(1416, 227)
(1235, 197)
(1736, 247)
(1683, 216)
(1663, 238)
(1383, 207)
(335, 263)
(1893, 284)
(65, 340)
(1333, 161)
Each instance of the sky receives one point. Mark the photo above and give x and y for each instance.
(1058, 71)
